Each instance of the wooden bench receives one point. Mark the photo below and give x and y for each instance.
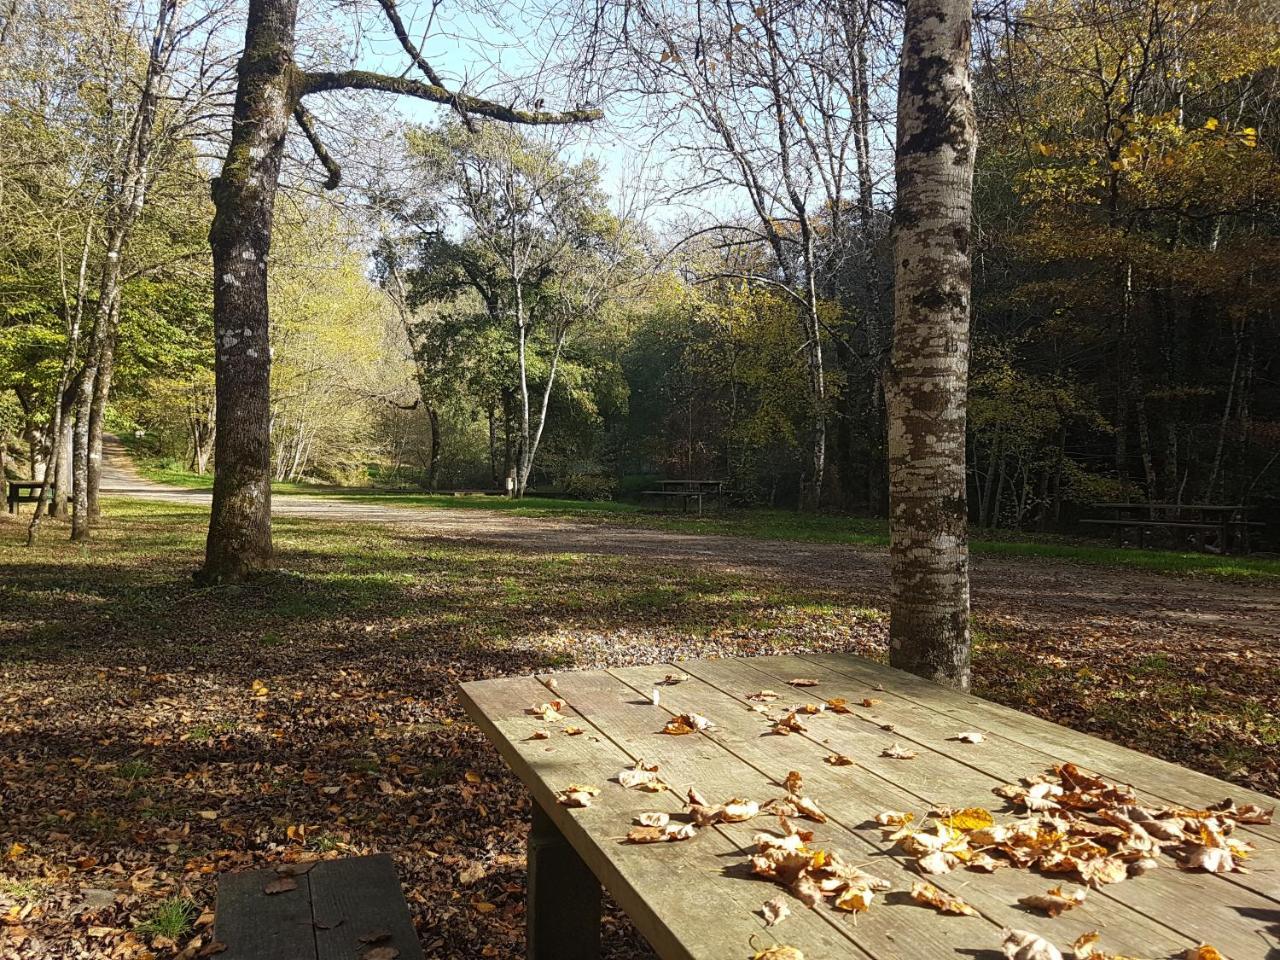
(1229, 525)
(697, 898)
(688, 490)
(339, 910)
(23, 491)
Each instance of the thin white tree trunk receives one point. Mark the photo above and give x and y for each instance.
(929, 552)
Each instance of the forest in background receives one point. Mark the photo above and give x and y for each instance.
(488, 302)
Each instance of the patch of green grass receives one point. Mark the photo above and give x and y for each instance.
(763, 524)
(171, 918)
(323, 842)
(22, 892)
(135, 771)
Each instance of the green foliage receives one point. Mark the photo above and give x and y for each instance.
(588, 486)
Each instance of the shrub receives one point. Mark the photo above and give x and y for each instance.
(589, 486)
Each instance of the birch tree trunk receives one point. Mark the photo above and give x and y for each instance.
(929, 552)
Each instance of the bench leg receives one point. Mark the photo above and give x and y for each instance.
(563, 920)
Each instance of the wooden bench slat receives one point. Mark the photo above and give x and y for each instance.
(258, 926)
(358, 897)
(672, 891)
(851, 798)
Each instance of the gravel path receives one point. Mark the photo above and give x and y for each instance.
(1046, 596)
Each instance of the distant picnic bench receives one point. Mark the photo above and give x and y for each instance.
(23, 491)
(696, 899)
(1228, 526)
(688, 490)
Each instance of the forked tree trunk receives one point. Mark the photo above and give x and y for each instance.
(239, 541)
(929, 553)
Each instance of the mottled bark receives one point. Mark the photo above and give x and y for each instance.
(239, 541)
(929, 554)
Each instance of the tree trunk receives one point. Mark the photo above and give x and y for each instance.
(239, 541)
(929, 554)
(59, 505)
(433, 464)
(97, 413)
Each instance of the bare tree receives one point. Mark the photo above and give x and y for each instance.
(929, 551)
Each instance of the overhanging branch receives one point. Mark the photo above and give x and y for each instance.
(307, 123)
(328, 80)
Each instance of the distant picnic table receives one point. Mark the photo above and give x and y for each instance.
(23, 491)
(688, 490)
(697, 898)
(1229, 525)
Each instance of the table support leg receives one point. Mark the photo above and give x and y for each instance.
(563, 920)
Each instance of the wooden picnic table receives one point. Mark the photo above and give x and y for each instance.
(23, 491)
(686, 490)
(1230, 523)
(698, 899)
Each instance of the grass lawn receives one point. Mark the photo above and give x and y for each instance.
(156, 733)
(766, 524)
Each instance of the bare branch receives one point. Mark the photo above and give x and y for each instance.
(307, 122)
(328, 80)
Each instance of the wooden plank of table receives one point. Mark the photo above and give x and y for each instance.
(259, 926)
(1154, 777)
(355, 899)
(703, 762)
(676, 893)
(1196, 905)
(851, 797)
(1006, 759)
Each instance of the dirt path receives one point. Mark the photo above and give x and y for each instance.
(1042, 596)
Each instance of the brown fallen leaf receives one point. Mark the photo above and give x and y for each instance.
(381, 953)
(1204, 952)
(685, 723)
(548, 711)
(375, 936)
(807, 808)
(789, 724)
(574, 731)
(1057, 901)
(940, 900)
(775, 911)
(646, 835)
(471, 873)
(838, 705)
(969, 736)
(895, 752)
(839, 760)
(539, 735)
(854, 898)
(1024, 945)
(762, 696)
(576, 795)
(280, 885)
(214, 948)
(870, 702)
(653, 819)
(738, 810)
(794, 782)
(938, 862)
(803, 682)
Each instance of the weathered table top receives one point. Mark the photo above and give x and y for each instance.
(698, 898)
